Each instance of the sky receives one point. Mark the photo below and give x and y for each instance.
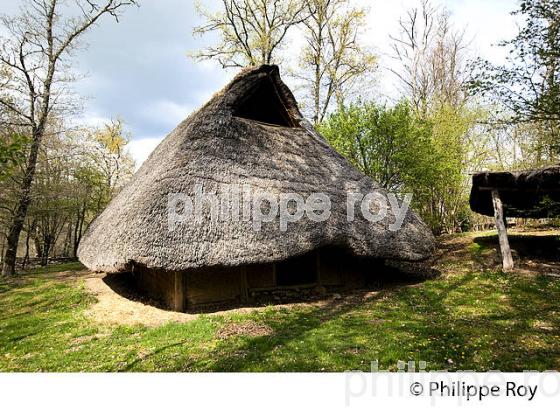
(138, 69)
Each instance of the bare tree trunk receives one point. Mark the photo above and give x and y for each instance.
(26, 257)
(67, 241)
(16, 226)
(78, 231)
(46, 250)
(2, 241)
(38, 247)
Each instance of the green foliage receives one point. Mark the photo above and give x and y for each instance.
(443, 200)
(528, 85)
(12, 153)
(405, 152)
(334, 61)
(387, 144)
(77, 174)
(249, 32)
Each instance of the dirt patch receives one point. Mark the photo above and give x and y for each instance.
(244, 329)
(113, 308)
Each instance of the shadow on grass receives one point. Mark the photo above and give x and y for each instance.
(317, 339)
(527, 246)
(465, 320)
(411, 323)
(59, 270)
(533, 339)
(480, 320)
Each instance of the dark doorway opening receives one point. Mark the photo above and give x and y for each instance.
(300, 270)
(265, 105)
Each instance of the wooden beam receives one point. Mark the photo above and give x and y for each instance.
(507, 260)
(179, 296)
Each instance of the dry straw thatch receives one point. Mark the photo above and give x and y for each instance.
(251, 133)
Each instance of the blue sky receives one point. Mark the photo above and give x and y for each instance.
(138, 69)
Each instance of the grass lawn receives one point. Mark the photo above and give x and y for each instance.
(472, 317)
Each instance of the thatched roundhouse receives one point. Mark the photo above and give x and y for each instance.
(251, 134)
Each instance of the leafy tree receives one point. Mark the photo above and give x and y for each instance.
(529, 83)
(78, 173)
(387, 144)
(334, 58)
(12, 153)
(332, 62)
(251, 31)
(455, 143)
(32, 60)
(405, 152)
(107, 151)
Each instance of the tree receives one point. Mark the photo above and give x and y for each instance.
(41, 39)
(528, 84)
(52, 193)
(386, 143)
(251, 31)
(431, 64)
(407, 153)
(334, 58)
(457, 145)
(78, 173)
(106, 150)
(431, 58)
(91, 196)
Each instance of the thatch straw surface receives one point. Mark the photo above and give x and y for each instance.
(218, 149)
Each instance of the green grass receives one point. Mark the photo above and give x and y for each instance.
(469, 319)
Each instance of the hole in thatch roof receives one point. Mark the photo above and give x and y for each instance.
(264, 104)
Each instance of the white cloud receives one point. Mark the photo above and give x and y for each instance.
(93, 120)
(140, 149)
(487, 23)
(167, 113)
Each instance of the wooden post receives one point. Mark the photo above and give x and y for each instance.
(318, 266)
(507, 260)
(179, 297)
(244, 284)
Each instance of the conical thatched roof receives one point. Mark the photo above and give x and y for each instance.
(221, 150)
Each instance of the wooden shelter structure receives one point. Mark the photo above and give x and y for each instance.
(249, 135)
(520, 194)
